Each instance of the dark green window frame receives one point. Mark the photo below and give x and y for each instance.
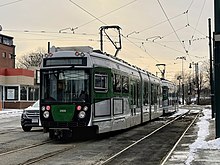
(101, 82)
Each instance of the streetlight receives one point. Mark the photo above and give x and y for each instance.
(182, 58)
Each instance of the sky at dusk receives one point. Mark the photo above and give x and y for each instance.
(153, 31)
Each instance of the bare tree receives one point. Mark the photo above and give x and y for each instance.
(196, 81)
(31, 59)
(206, 70)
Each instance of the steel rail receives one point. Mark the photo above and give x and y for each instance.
(9, 130)
(128, 147)
(174, 147)
(47, 155)
(24, 148)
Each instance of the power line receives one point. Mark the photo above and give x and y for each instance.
(6, 4)
(137, 32)
(48, 32)
(190, 5)
(171, 25)
(199, 18)
(87, 11)
(176, 31)
(105, 24)
(195, 29)
(106, 14)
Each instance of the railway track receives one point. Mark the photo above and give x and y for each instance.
(44, 149)
(9, 130)
(151, 143)
(47, 155)
(24, 148)
(128, 154)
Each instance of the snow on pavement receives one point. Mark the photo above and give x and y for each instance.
(201, 143)
(7, 113)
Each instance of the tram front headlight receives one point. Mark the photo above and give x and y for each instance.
(85, 108)
(46, 114)
(43, 108)
(82, 114)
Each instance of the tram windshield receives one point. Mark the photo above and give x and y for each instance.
(65, 85)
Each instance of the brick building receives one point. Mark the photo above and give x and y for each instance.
(18, 88)
(7, 52)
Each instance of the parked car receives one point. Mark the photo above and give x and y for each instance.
(30, 117)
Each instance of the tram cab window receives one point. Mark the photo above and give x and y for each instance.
(84, 95)
(101, 82)
(64, 85)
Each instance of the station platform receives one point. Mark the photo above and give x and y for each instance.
(199, 145)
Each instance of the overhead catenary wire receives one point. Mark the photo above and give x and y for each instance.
(187, 12)
(105, 24)
(171, 25)
(155, 25)
(195, 29)
(125, 5)
(138, 45)
(10, 3)
(87, 12)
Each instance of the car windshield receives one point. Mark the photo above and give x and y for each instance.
(65, 85)
(36, 104)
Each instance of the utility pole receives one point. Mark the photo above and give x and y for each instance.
(48, 47)
(179, 78)
(210, 68)
(183, 95)
(217, 66)
(197, 82)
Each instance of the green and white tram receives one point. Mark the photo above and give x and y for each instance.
(170, 98)
(83, 88)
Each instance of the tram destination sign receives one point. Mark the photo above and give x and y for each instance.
(80, 61)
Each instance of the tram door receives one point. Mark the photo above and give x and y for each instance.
(134, 98)
(152, 102)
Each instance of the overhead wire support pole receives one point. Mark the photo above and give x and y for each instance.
(211, 70)
(217, 65)
(183, 93)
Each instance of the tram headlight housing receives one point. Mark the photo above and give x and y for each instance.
(46, 114)
(43, 108)
(82, 114)
(85, 108)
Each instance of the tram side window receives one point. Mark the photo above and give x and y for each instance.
(101, 82)
(125, 84)
(145, 97)
(117, 84)
(133, 93)
(153, 94)
(159, 95)
(138, 94)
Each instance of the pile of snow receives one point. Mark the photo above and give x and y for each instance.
(200, 142)
(180, 112)
(7, 113)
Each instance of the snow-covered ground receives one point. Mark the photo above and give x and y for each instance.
(203, 132)
(7, 113)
